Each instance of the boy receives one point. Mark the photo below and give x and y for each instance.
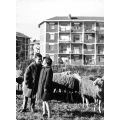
(45, 85)
(30, 84)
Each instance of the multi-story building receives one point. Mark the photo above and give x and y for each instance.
(75, 40)
(22, 46)
(34, 48)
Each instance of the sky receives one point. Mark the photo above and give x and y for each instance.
(29, 13)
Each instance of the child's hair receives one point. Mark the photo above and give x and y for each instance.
(38, 55)
(48, 60)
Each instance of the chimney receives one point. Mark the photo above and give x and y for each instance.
(69, 16)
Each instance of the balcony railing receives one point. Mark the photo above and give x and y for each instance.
(76, 51)
(64, 41)
(89, 60)
(89, 51)
(76, 62)
(100, 41)
(65, 29)
(89, 30)
(76, 29)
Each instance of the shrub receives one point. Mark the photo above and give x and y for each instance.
(22, 65)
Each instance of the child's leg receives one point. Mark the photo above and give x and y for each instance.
(32, 105)
(25, 100)
(48, 108)
(44, 111)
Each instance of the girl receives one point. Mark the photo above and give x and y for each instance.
(45, 85)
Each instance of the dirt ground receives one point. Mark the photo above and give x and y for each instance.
(59, 111)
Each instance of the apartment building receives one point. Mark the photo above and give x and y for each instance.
(74, 40)
(22, 46)
(34, 48)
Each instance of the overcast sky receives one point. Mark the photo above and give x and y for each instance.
(29, 13)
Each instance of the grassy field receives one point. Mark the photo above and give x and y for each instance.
(65, 111)
(59, 111)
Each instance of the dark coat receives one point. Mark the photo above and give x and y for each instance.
(45, 84)
(31, 78)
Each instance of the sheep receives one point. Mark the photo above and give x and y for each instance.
(19, 78)
(99, 82)
(88, 90)
(73, 83)
(66, 82)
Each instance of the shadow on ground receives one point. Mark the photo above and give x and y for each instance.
(85, 114)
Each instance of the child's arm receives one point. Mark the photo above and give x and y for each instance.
(28, 77)
(48, 80)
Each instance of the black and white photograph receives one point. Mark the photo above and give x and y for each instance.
(59, 59)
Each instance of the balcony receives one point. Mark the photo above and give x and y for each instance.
(51, 48)
(89, 60)
(64, 38)
(100, 28)
(64, 48)
(89, 38)
(77, 27)
(100, 38)
(89, 27)
(100, 60)
(76, 49)
(65, 58)
(64, 27)
(76, 38)
(100, 49)
(76, 60)
(89, 49)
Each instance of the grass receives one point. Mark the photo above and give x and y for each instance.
(60, 111)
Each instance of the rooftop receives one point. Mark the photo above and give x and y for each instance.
(18, 34)
(74, 18)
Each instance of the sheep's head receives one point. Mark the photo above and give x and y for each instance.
(77, 76)
(99, 82)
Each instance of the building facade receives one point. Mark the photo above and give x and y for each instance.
(22, 46)
(74, 40)
(34, 48)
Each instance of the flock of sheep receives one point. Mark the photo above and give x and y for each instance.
(71, 87)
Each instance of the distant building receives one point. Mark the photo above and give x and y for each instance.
(74, 40)
(34, 48)
(22, 46)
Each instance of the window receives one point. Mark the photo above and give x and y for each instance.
(76, 37)
(65, 37)
(89, 27)
(101, 58)
(18, 43)
(100, 49)
(51, 47)
(52, 36)
(52, 26)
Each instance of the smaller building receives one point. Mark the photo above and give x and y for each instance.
(22, 46)
(34, 48)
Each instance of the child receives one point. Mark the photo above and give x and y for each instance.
(31, 79)
(45, 85)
